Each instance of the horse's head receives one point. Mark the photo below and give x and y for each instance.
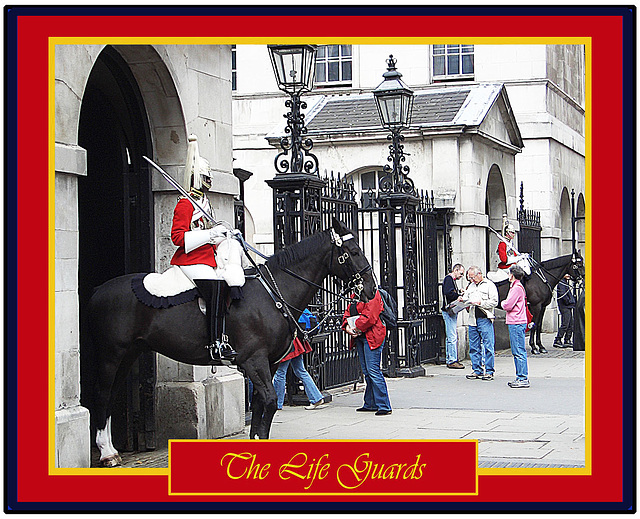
(349, 262)
(576, 270)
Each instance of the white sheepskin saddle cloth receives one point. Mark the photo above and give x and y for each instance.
(164, 290)
(169, 283)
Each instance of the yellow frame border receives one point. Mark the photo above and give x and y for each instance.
(586, 41)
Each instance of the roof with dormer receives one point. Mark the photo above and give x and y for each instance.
(463, 107)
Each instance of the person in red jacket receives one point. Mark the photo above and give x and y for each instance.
(196, 239)
(362, 322)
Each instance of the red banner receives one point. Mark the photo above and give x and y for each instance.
(323, 467)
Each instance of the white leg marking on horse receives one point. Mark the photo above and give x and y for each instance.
(103, 441)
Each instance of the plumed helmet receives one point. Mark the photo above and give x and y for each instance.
(195, 166)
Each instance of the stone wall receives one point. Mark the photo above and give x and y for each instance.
(72, 443)
(185, 89)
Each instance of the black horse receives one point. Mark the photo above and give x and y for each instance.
(121, 328)
(539, 287)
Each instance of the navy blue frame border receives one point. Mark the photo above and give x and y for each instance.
(11, 13)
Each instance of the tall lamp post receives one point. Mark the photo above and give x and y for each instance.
(394, 100)
(398, 205)
(297, 187)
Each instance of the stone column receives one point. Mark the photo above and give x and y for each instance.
(194, 403)
(72, 437)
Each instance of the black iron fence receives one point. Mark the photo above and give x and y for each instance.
(530, 228)
(529, 236)
(399, 237)
(331, 362)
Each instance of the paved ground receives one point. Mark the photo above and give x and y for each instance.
(542, 426)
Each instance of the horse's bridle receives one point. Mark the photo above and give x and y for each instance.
(355, 283)
(354, 276)
(574, 274)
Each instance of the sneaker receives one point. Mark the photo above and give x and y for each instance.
(568, 344)
(557, 344)
(311, 407)
(366, 410)
(455, 365)
(474, 375)
(519, 383)
(382, 412)
(488, 376)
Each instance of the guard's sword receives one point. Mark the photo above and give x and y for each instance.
(181, 189)
(501, 238)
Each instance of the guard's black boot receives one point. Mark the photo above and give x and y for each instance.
(214, 294)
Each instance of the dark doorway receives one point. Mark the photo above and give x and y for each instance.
(115, 218)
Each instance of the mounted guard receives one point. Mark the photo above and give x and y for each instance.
(208, 253)
(508, 255)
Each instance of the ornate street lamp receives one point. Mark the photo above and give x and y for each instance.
(297, 186)
(394, 100)
(294, 68)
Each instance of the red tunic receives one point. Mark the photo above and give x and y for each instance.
(203, 255)
(369, 321)
(503, 254)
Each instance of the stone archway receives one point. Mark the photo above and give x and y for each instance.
(495, 209)
(565, 223)
(580, 224)
(129, 100)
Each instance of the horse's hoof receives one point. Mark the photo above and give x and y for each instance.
(111, 461)
(542, 349)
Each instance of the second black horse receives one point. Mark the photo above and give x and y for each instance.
(539, 287)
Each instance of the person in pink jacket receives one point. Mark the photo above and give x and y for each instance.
(516, 307)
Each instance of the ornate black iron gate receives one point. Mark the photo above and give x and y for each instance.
(398, 234)
(530, 228)
(299, 211)
(399, 237)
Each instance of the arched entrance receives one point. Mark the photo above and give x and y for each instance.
(565, 223)
(495, 208)
(580, 223)
(114, 219)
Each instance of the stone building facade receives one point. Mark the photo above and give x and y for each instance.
(114, 104)
(522, 120)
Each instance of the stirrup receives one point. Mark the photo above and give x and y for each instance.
(226, 350)
(214, 351)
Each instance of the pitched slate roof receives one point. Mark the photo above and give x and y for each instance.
(464, 105)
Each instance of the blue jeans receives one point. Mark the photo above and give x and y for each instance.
(279, 380)
(481, 346)
(516, 338)
(451, 329)
(376, 395)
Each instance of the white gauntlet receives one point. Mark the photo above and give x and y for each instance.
(218, 234)
(195, 239)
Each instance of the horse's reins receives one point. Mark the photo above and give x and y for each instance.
(355, 276)
(355, 283)
(537, 267)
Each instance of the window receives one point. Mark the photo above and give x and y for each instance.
(234, 85)
(369, 188)
(452, 61)
(333, 65)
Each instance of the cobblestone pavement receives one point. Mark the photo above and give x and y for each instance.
(542, 426)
